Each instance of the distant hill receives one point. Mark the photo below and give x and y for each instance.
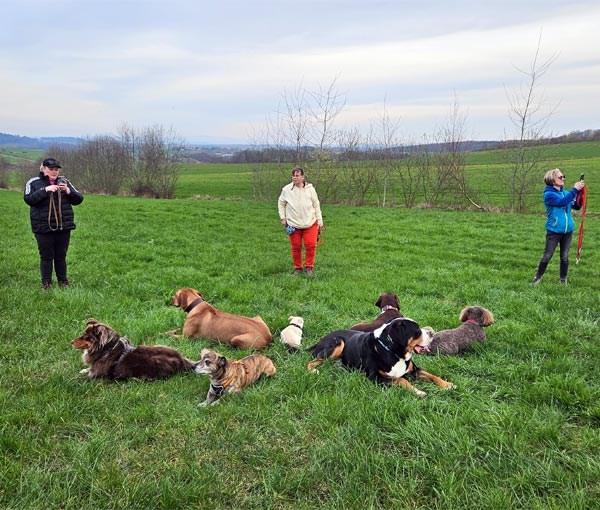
(37, 143)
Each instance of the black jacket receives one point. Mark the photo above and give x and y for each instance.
(39, 199)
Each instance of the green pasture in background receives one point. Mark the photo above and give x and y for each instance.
(19, 155)
(521, 429)
(488, 177)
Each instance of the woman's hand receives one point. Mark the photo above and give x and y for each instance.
(579, 185)
(284, 222)
(52, 188)
(64, 187)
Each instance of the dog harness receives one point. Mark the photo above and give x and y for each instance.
(127, 348)
(220, 388)
(193, 304)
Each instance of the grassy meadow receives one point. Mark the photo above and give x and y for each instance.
(520, 431)
(487, 175)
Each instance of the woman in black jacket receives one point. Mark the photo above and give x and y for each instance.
(50, 197)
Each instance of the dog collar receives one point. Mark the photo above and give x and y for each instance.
(217, 389)
(193, 304)
(472, 321)
(232, 376)
(383, 345)
(388, 307)
(296, 325)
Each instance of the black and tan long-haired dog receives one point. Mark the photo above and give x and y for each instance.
(231, 376)
(111, 356)
(453, 341)
(383, 355)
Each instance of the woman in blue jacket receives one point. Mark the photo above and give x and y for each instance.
(560, 224)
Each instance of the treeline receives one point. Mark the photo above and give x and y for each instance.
(36, 143)
(588, 135)
(138, 162)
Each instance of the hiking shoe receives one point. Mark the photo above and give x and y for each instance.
(46, 285)
(309, 271)
(563, 281)
(63, 283)
(298, 270)
(536, 279)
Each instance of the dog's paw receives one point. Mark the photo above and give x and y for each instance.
(84, 371)
(420, 393)
(313, 371)
(450, 386)
(206, 403)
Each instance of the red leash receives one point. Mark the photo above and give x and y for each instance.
(581, 199)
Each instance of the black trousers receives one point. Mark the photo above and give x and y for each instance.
(552, 241)
(53, 248)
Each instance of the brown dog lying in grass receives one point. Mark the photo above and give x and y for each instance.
(111, 356)
(389, 304)
(229, 376)
(205, 321)
(454, 341)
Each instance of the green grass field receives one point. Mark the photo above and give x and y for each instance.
(520, 431)
(488, 178)
(20, 155)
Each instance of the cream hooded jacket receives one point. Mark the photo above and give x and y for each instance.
(300, 207)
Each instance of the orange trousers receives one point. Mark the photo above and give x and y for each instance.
(308, 236)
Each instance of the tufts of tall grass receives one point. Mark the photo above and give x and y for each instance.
(521, 429)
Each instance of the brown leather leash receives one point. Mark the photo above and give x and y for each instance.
(57, 212)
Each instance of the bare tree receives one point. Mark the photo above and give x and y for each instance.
(327, 104)
(529, 113)
(296, 117)
(301, 132)
(152, 154)
(3, 173)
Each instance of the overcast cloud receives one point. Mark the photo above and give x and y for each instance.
(215, 70)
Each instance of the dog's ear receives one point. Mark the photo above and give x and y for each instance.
(397, 301)
(378, 302)
(222, 362)
(487, 318)
(91, 320)
(465, 314)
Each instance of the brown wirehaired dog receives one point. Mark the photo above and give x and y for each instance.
(453, 341)
(205, 321)
(111, 356)
(390, 309)
(229, 376)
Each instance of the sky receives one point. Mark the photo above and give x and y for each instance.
(218, 71)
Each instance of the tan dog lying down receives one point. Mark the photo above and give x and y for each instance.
(229, 376)
(205, 321)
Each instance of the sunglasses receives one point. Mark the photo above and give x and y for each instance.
(560, 177)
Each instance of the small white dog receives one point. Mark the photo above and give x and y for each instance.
(292, 335)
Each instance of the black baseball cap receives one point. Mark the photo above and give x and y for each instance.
(51, 163)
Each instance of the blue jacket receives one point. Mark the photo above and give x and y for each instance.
(558, 209)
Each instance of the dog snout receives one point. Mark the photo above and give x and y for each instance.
(200, 368)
